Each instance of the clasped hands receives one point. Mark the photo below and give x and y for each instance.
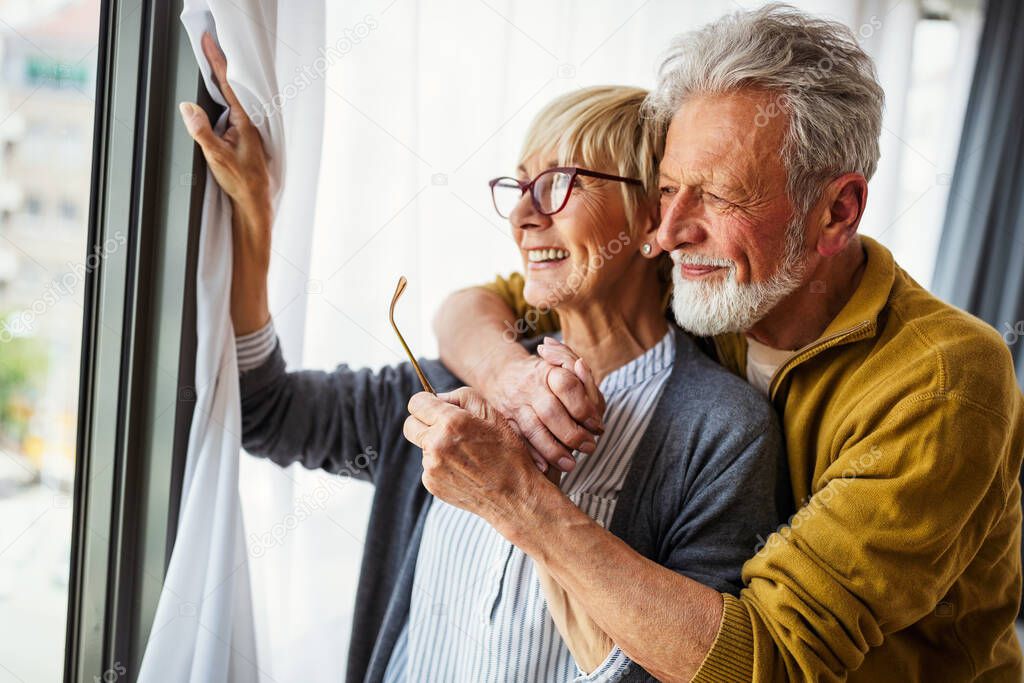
(486, 455)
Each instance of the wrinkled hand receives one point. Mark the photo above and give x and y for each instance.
(238, 162)
(553, 402)
(237, 158)
(472, 458)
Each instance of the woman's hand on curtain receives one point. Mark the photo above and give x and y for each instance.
(237, 158)
(238, 162)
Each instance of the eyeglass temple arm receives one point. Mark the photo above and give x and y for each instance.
(608, 176)
(412, 359)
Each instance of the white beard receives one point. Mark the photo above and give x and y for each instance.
(709, 307)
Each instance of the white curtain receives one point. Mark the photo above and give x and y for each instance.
(204, 628)
(925, 68)
(424, 102)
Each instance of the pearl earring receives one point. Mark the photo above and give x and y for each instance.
(646, 249)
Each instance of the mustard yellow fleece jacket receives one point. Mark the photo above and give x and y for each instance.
(904, 427)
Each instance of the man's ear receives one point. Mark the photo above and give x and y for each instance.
(841, 207)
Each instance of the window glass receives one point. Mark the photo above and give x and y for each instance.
(47, 84)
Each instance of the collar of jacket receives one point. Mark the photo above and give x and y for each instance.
(857, 320)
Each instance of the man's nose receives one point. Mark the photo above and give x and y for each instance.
(680, 225)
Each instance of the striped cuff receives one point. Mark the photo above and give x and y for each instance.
(731, 657)
(255, 348)
(610, 670)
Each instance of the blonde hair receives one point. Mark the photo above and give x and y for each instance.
(603, 128)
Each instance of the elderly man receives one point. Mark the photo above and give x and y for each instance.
(902, 418)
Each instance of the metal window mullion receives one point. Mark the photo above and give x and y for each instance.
(133, 416)
(103, 343)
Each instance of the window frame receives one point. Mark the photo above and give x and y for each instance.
(136, 393)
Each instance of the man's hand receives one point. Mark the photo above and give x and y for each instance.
(472, 458)
(552, 401)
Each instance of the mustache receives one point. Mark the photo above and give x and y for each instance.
(683, 258)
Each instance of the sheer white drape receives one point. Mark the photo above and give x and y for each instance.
(926, 69)
(424, 102)
(271, 496)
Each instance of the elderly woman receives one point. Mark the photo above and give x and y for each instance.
(685, 469)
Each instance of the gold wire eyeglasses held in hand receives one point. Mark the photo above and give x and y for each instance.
(402, 282)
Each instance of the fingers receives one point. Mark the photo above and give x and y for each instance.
(562, 425)
(538, 459)
(428, 408)
(553, 475)
(198, 126)
(425, 427)
(582, 370)
(557, 353)
(468, 399)
(219, 66)
(432, 423)
(571, 389)
(413, 430)
(218, 63)
(541, 439)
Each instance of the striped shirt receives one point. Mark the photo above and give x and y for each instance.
(477, 612)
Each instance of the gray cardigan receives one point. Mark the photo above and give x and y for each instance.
(707, 478)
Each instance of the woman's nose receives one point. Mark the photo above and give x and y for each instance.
(525, 215)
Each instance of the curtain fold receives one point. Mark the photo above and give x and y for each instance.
(204, 627)
(980, 265)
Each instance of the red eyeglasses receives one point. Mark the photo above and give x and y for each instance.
(549, 191)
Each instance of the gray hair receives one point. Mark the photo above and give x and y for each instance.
(823, 80)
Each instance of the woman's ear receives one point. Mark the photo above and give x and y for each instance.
(649, 248)
(648, 244)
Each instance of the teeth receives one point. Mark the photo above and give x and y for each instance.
(541, 255)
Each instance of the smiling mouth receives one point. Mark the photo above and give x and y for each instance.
(697, 267)
(547, 255)
(693, 271)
